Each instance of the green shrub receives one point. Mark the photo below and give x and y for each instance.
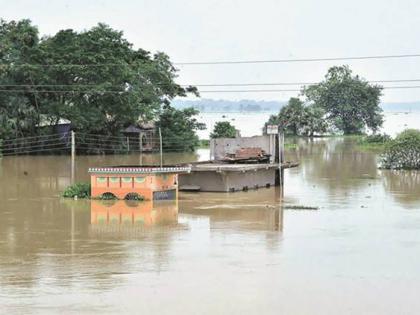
(403, 152)
(375, 139)
(79, 190)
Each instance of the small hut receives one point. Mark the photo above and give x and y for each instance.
(142, 137)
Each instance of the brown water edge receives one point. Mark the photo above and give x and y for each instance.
(214, 253)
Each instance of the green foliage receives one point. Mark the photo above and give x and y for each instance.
(204, 143)
(377, 138)
(350, 102)
(290, 146)
(298, 119)
(94, 78)
(79, 190)
(374, 139)
(223, 129)
(403, 152)
(178, 129)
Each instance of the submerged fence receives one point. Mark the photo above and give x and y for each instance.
(87, 143)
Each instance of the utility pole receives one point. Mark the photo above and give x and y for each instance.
(73, 155)
(161, 153)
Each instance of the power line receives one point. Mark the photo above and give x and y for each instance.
(294, 83)
(201, 91)
(205, 85)
(222, 62)
(295, 90)
(296, 60)
(63, 91)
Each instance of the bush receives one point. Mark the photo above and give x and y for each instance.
(79, 190)
(403, 152)
(376, 141)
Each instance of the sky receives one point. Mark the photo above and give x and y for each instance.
(216, 30)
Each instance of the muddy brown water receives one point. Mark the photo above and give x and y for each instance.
(213, 253)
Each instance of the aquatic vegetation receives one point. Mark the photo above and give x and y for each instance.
(78, 190)
(375, 141)
(403, 152)
(290, 146)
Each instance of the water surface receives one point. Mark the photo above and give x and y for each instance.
(213, 253)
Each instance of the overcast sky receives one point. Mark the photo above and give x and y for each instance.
(213, 30)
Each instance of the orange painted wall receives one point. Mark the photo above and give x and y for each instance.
(122, 184)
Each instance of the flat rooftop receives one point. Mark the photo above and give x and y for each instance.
(223, 167)
(214, 166)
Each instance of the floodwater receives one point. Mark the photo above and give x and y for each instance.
(214, 253)
(251, 123)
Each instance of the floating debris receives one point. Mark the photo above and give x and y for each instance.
(299, 207)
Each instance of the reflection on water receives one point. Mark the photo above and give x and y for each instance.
(253, 210)
(121, 216)
(335, 173)
(201, 253)
(404, 186)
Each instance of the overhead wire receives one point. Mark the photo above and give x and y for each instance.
(208, 84)
(222, 62)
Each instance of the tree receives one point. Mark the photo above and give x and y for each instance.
(19, 111)
(403, 152)
(298, 119)
(178, 128)
(223, 129)
(351, 103)
(93, 78)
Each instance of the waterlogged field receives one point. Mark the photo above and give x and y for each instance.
(213, 253)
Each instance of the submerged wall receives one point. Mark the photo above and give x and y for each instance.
(228, 181)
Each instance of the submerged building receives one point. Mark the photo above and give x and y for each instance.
(127, 182)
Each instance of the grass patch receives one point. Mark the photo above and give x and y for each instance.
(79, 190)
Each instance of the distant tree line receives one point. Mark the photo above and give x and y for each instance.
(94, 78)
(343, 102)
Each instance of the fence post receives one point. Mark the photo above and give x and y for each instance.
(281, 160)
(141, 147)
(73, 155)
(160, 142)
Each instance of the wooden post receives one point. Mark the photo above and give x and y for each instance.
(128, 144)
(141, 147)
(281, 160)
(161, 153)
(73, 155)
